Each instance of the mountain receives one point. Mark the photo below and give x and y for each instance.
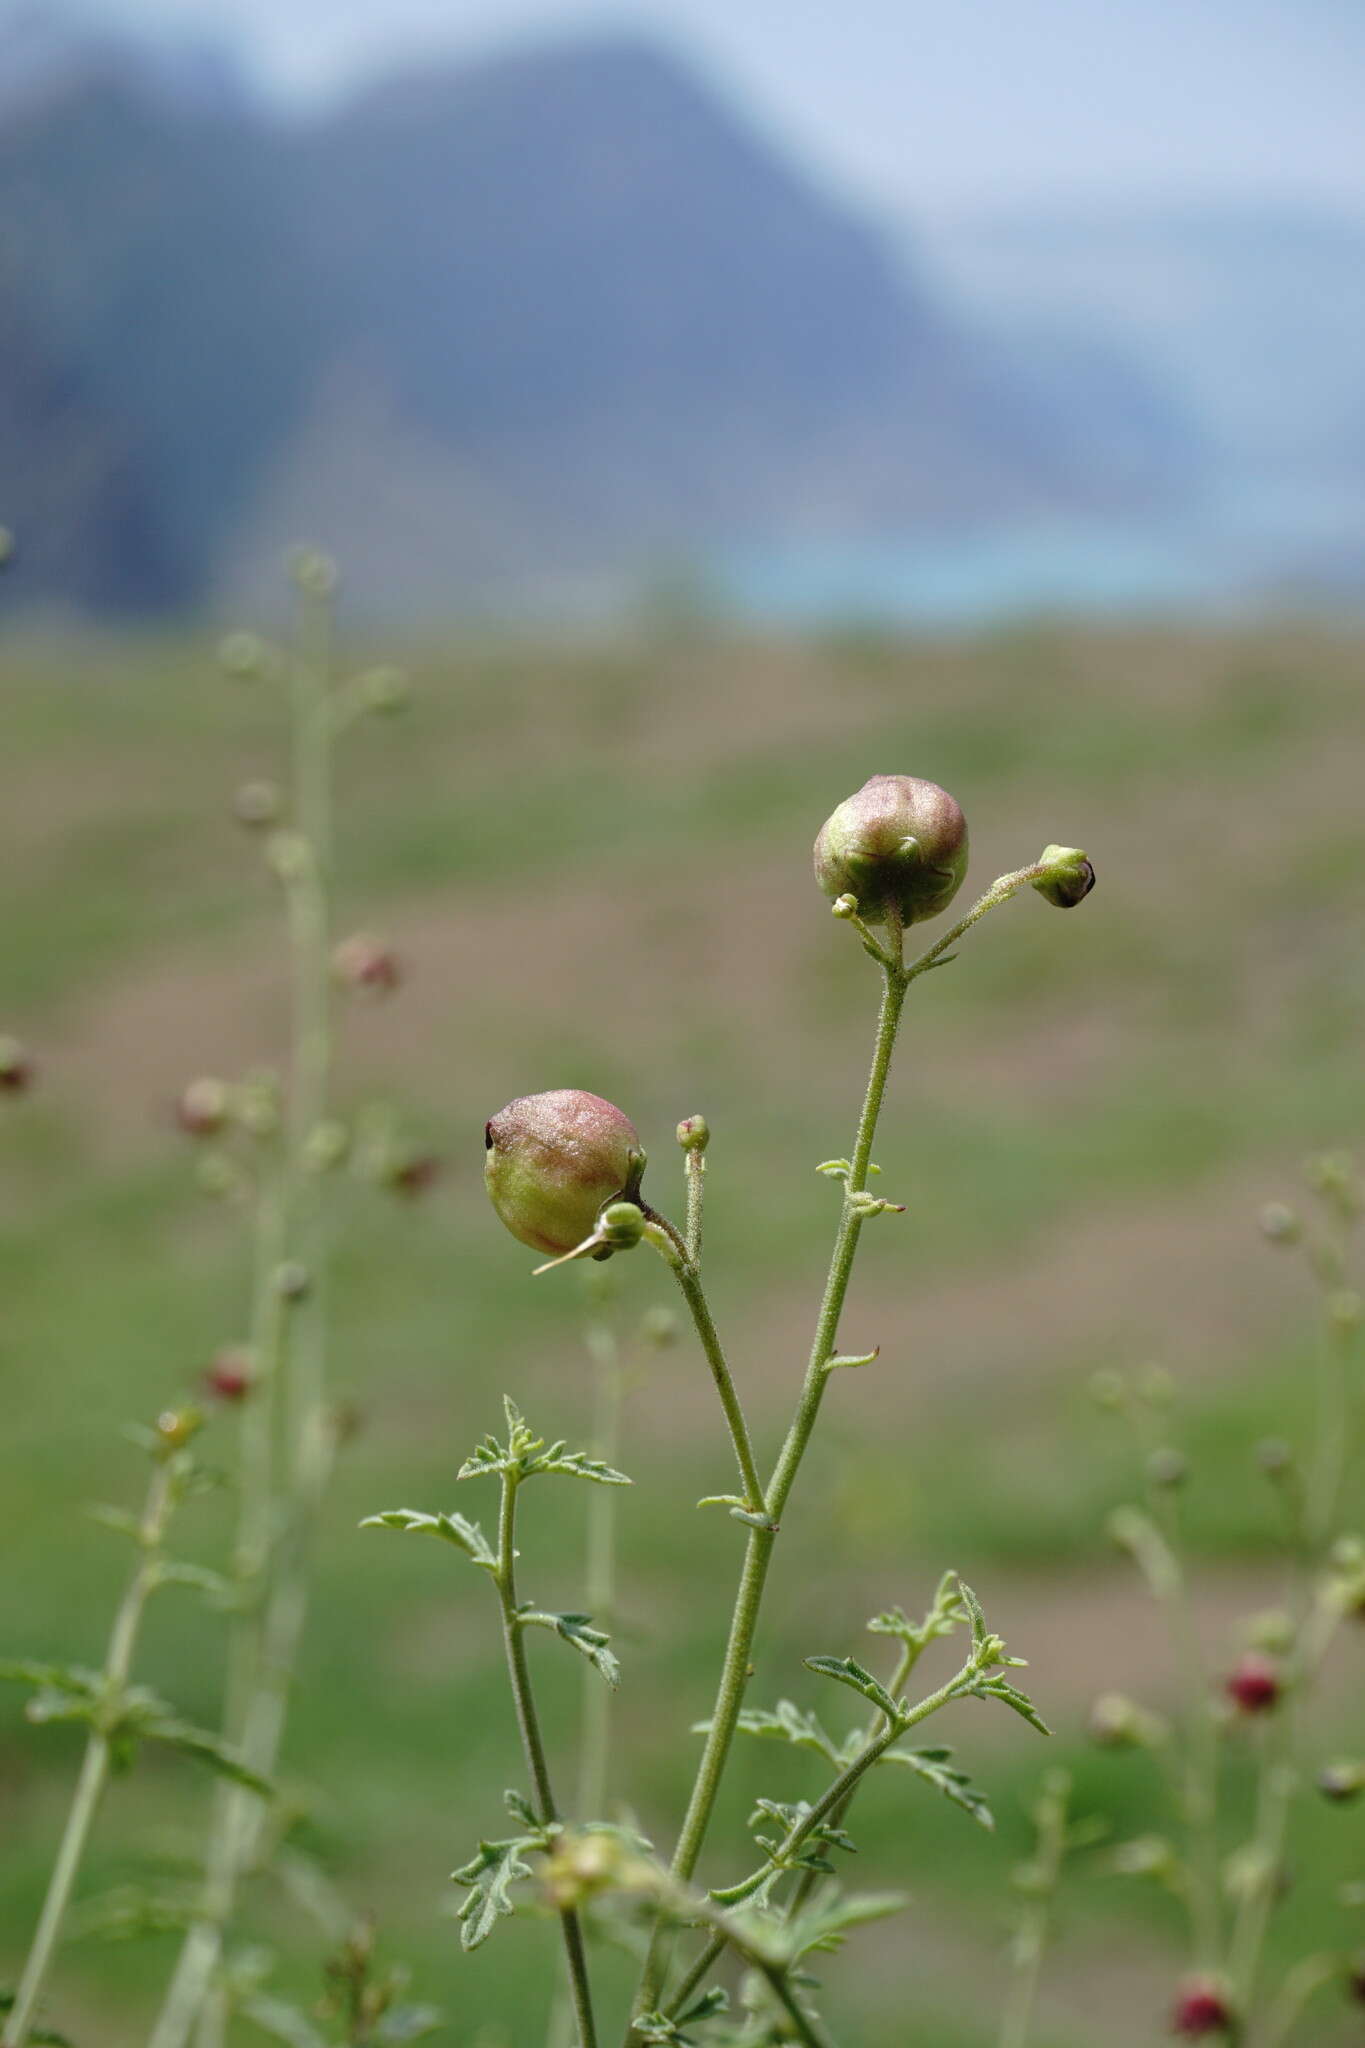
(543, 321)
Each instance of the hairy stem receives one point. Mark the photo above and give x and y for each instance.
(689, 1281)
(94, 1772)
(533, 1745)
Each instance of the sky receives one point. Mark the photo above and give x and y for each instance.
(918, 104)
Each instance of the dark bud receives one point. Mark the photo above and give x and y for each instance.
(899, 845)
(553, 1162)
(231, 1375)
(1201, 2008)
(364, 962)
(16, 1067)
(203, 1107)
(1355, 1979)
(258, 804)
(1274, 1456)
(413, 1173)
(1069, 877)
(1254, 1684)
(1168, 1468)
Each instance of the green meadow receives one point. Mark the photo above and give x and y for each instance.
(594, 860)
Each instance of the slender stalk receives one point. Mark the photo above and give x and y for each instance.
(808, 2028)
(1031, 1942)
(299, 1345)
(689, 1281)
(600, 1577)
(694, 1166)
(896, 979)
(533, 1745)
(94, 1772)
(1200, 1780)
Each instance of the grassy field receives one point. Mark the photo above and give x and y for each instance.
(596, 865)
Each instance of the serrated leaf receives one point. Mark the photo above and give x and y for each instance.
(490, 1876)
(451, 1528)
(931, 1765)
(577, 1630)
(658, 2027)
(783, 1723)
(974, 1611)
(521, 1809)
(212, 1584)
(1001, 1689)
(825, 1927)
(282, 2022)
(209, 1749)
(576, 1465)
(848, 1671)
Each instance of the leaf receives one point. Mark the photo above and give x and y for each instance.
(521, 1809)
(974, 1612)
(841, 1359)
(825, 1927)
(210, 1750)
(282, 2022)
(931, 1765)
(1001, 1689)
(848, 1671)
(577, 1630)
(783, 1723)
(122, 1520)
(72, 1678)
(218, 1590)
(129, 1912)
(452, 1528)
(51, 1705)
(490, 1876)
(576, 1465)
(658, 2027)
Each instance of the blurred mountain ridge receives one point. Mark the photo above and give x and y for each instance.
(544, 319)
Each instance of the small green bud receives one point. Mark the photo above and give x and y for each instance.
(1345, 1308)
(384, 690)
(1279, 1224)
(243, 655)
(328, 1146)
(621, 1226)
(694, 1134)
(1108, 1390)
(898, 846)
(292, 1280)
(1069, 877)
(258, 804)
(313, 572)
(1168, 1468)
(1272, 1630)
(1117, 1722)
(176, 1427)
(659, 1328)
(845, 906)
(288, 855)
(1342, 1781)
(1156, 1385)
(553, 1162)
(1274, 1456)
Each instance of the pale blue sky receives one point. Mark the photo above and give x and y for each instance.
(935, 103)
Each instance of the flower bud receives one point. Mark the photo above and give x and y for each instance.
(1168, 1468)
(1069, 877)
(313, 572)
(552, 1163)
(327, 1146)
(258, 804)
(621, 1226)
(899, 845)
(1279, 1224)
(231, 1374)
(1107, 1389)
(176, 1427)
(292, 1280)
(1117, 1722)
(694, 1134)
(1274, 1456)
(1254, 1684)
(203, 1106)
(16, 1067)
(659, 1328)
(384, 690)
(364, 962)
(243, 655)
(1202, 2007)
(413, 1173)
(1342, 1781)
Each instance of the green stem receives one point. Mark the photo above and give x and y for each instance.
(94, 1772)
(808, 2028)
(600, 1577)
(533, 1745)
(1017, 2024)
(809, 1879)
(299, 1351)
(694, 1167)
(689, 1280)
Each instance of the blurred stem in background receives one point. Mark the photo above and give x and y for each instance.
(276, 1520)
(163, 1493)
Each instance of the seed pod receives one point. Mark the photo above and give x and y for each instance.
(203, 1107)
(365, 962)
(1069, 879)
(1201, 2007)
(552, 1163)
(899, 846)
(231, 1373)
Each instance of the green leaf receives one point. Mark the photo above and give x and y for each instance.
(932, 1766)
(452, 1528)
(658, 2027)
(521, 1809)
(783, 1723)
(489, 1877)
(121, 1520)
(841, 1359)
(576, 1465)
(209, 1749)
(282, 2022)
(50, 1705)
(1001, 1689)
(577, 1630)
(129, 1912)
(848, 1671)
(72, 1678)
(825, 1927)
(219, 1591)
(974, 1611)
